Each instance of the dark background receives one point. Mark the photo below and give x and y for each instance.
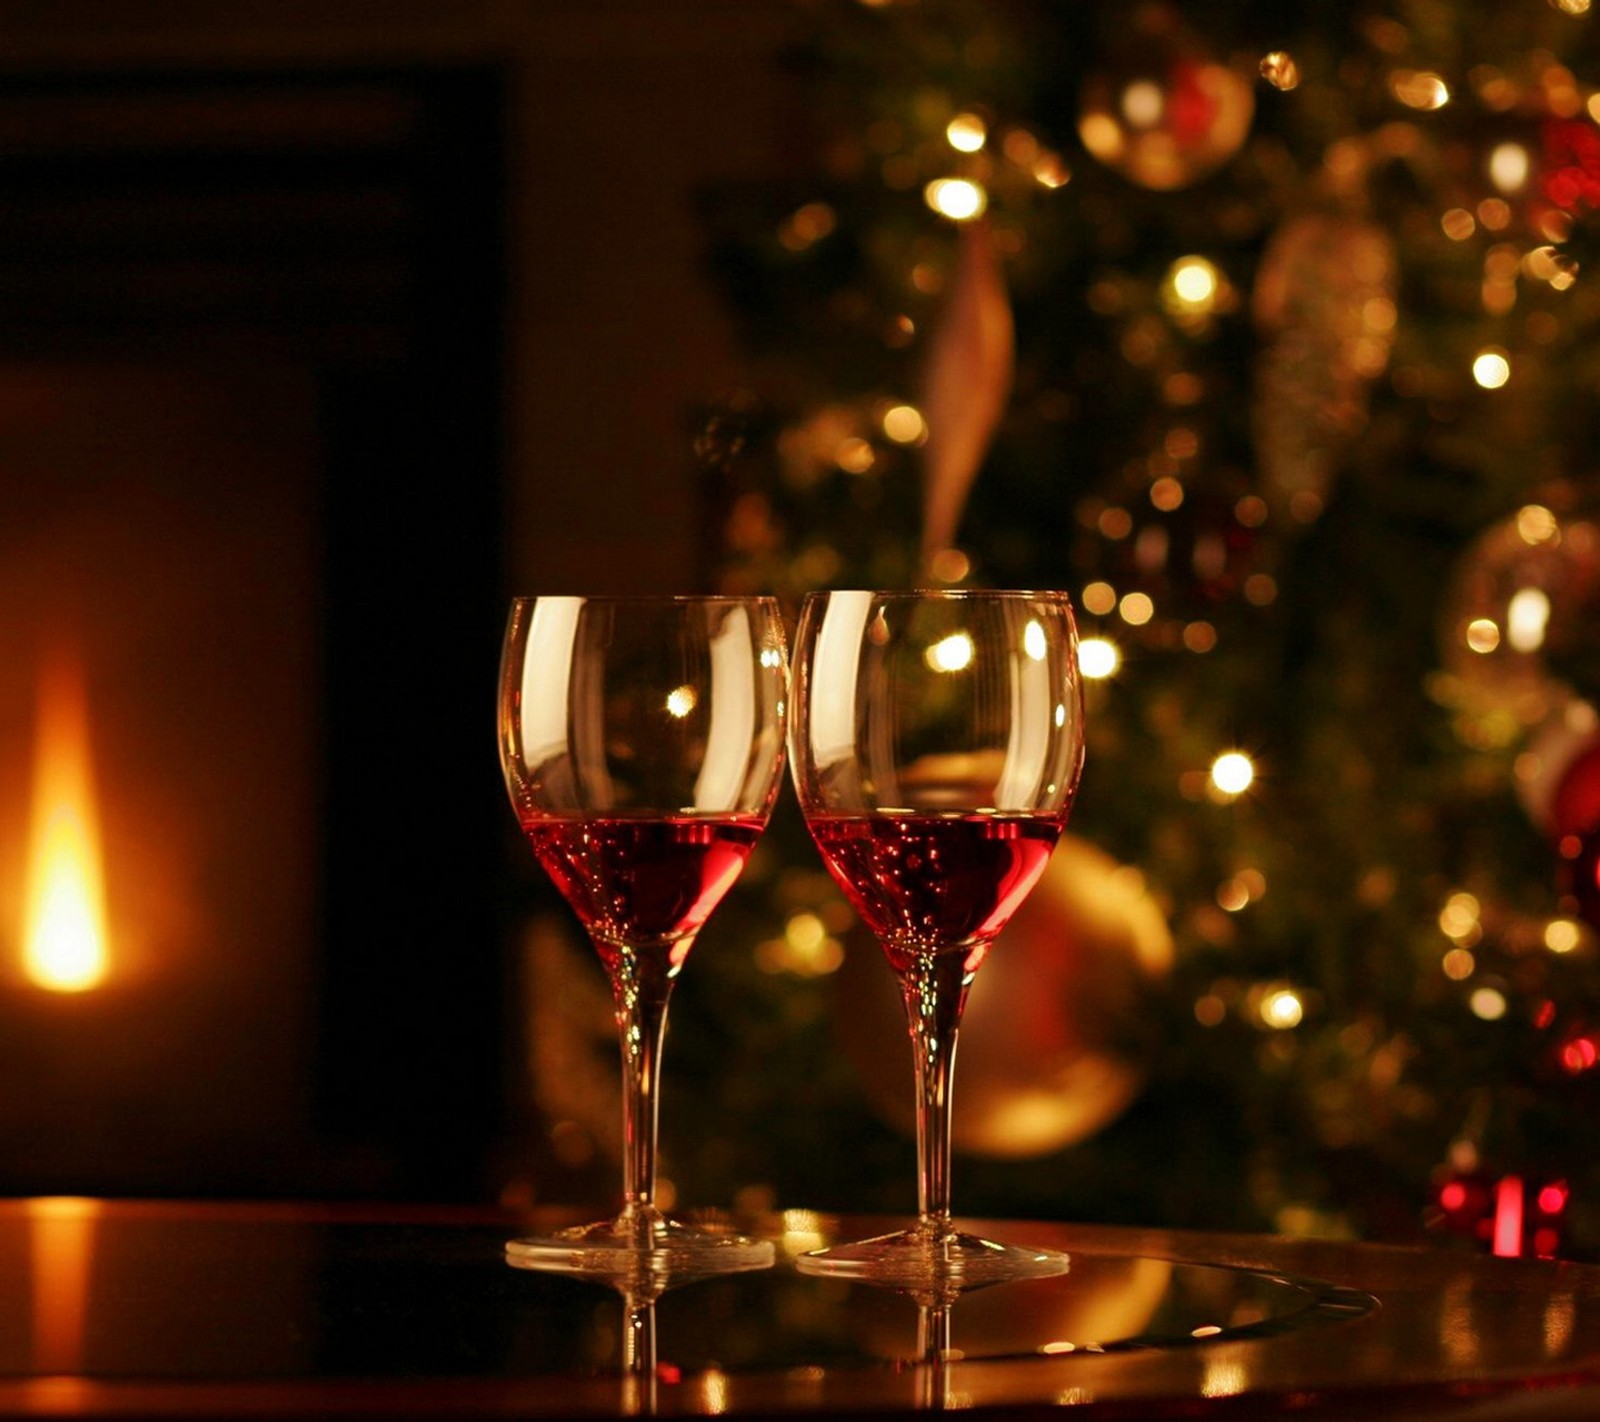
(341, 323)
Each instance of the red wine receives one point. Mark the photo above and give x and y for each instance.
(646, 882)
(936, 882)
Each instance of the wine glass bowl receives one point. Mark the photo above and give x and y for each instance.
(936, 745)
(642, 742)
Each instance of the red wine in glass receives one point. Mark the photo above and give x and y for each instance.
(642, 741)
(643, 884)
(936, 744)
(952, 880)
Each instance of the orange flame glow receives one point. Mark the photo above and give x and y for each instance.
(61, 1235)
(64, 933)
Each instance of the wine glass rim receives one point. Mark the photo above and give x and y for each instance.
(641, 599)
(948, 594)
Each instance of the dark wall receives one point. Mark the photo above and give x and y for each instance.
(339, 236)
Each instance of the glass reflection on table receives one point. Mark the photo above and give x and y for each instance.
(640, 1279)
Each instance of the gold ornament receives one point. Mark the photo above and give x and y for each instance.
(1522, 602)
(1324, 306)
(965, 384)
(1166, 113)
(1055, 1041)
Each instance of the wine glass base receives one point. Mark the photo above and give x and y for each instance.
(637, 1242)
(944, 1261)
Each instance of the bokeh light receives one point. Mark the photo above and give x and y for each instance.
(959, 199)
(1491, 368)
(1098, 658)
(966, 133)
(1233, 772)
(951, 654)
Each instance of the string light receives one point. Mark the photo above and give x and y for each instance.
(959, 199)
(1535, 524)
(1282, 1009)
(1488, 1004)
(1050, 172)
(1420, 89)
(1099, 598)
(854, 455)
(1136, 609)
(1260, 589)
(1482, 635)
(1458, 919)
(805, 948)
(1115, 523)
(1508, 166)
(1195, 280)
(1098, 658)
(904, 424)
(951, 654)
(1491, 368)
(1021, 147)
(1494, 213)
(809, 224)
(1193, 287)
(1561, 935)
(1166, 494)
(1527, 615)
(966, 133)
(1232, 772)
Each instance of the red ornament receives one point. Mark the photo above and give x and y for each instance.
(1192, 104)
(1585, 871)
(1575, 807)
(1571, 175)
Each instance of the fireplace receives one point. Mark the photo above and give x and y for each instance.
(250, 502)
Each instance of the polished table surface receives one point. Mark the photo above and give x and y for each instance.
(125, 1309)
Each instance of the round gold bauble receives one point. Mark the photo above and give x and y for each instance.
(1517, 620)
(1056, 1039)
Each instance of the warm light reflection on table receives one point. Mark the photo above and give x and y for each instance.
(61, 1246)
(169, 1310)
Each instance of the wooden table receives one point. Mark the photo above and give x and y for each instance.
(122, 1309)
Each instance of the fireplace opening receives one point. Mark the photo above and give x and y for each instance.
(251, 493)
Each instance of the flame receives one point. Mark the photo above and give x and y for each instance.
(64, 934)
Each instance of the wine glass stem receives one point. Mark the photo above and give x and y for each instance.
(639, 1360)
(933, 1352)
(935, 987)
(641, 985)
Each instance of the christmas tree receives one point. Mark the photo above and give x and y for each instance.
(1268, 332)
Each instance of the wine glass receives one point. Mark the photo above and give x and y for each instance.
(936, 744)
(642, 740)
